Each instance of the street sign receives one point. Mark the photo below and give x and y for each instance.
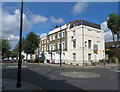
(95, 49)
(95, 52)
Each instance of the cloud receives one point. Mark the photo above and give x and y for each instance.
(108, 36)
(59, 20)
(107, 32)
(43, 35)
(13, 44)
(13, 37)
(39, 19)
(79, 7)
(104, 26)
(11, 23)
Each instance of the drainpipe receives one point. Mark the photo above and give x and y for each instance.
(83, 41)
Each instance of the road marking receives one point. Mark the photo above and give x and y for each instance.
(114, 70)
(35, 69)
(14, 66)
(117, 70)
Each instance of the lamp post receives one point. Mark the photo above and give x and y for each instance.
(60, 46)
(20, 60)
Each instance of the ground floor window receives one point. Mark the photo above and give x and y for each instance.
(74, 56)
(89, 57)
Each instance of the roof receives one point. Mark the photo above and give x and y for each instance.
(111, 44)
(86, 23)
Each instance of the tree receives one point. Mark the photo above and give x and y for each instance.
(25, 48)
(113, 23)
(5, 48)
(31, 42)
(15, 51)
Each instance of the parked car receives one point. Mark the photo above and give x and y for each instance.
(14, 60)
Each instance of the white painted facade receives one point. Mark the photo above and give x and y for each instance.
(83, 52)
(25, 55)
(85, 38)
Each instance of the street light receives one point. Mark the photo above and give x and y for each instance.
(20, 60)
(60, 46)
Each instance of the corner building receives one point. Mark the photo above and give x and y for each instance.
(81, 42)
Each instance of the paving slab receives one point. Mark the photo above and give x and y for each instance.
(10, 84)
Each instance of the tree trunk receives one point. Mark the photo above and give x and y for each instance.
(117, 39)
(113, 36)
(30, 58)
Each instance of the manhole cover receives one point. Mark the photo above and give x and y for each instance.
(80, 74)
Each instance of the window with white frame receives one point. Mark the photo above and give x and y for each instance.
(74, 25)
(63, 46)
(89, 44)
(42, 48)
(45, 48)
(59, 34)
(74, 33)
(54, 47)
(51, 47)
(58, 46)
(47, 41)
(54, 37)
(74, 56)
(74, 44)
(63, 34)
(51, 38)
(42, 41)
(48, 48)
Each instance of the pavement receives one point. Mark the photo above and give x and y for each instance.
(78, 66)
(10, 84)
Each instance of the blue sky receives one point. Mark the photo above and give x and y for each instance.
(41, 17)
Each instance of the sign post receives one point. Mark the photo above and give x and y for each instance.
(95, 52)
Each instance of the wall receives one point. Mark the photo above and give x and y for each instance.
(95, 35)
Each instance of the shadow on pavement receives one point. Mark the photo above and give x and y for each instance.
(39, 80)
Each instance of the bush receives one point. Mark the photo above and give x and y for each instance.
(40, 60)
(112, 59)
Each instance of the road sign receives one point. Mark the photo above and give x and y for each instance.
(95, 49)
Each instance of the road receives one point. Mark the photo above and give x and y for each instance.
(49, 77)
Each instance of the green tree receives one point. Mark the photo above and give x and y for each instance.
(5, 48)
(15, 52)
(113, 23)
(31, 42)
(25, 46)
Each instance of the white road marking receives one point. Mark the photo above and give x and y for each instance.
(14, 66)
(117, 70)
(35, 69)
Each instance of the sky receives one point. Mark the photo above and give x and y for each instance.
(41, 17)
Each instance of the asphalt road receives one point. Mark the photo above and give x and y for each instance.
(48, 77)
